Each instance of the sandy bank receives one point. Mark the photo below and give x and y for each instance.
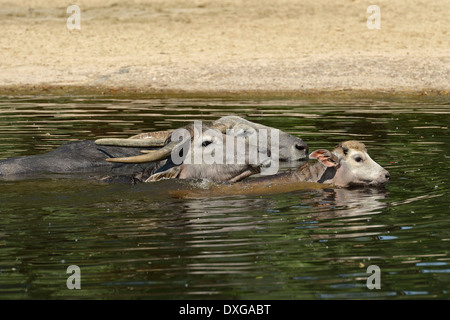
(225, 46)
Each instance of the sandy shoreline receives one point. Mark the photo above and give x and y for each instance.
(206, 47)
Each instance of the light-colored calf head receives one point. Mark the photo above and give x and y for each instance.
(353, 165)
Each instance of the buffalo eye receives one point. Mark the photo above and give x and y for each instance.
(206, 143)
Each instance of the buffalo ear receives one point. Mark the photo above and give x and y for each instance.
(326, 157)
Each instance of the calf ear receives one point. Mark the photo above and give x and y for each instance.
(328, 158)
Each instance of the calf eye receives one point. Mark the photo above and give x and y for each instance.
(358, 159)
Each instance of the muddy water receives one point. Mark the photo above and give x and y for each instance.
(142, 242)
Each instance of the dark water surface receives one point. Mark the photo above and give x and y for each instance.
(140, 242)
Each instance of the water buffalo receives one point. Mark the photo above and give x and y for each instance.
(288, 147)
(124, 156)
(204, 153)
(347, 165)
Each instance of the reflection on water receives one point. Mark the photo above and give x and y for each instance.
(141, 241)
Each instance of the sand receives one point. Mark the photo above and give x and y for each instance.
(205, 46)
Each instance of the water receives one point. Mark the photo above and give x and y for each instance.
(142, 242)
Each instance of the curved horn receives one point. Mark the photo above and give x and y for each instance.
(149, 139)
(220, 126)
(156, 135)
(130, 142)
(154, 155)
(229, 121)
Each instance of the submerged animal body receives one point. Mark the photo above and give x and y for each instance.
(74, 157)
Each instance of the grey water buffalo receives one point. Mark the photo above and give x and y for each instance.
(127, 157)
(205, 153)
(289, 148)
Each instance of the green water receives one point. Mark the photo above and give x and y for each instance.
(139, 242)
